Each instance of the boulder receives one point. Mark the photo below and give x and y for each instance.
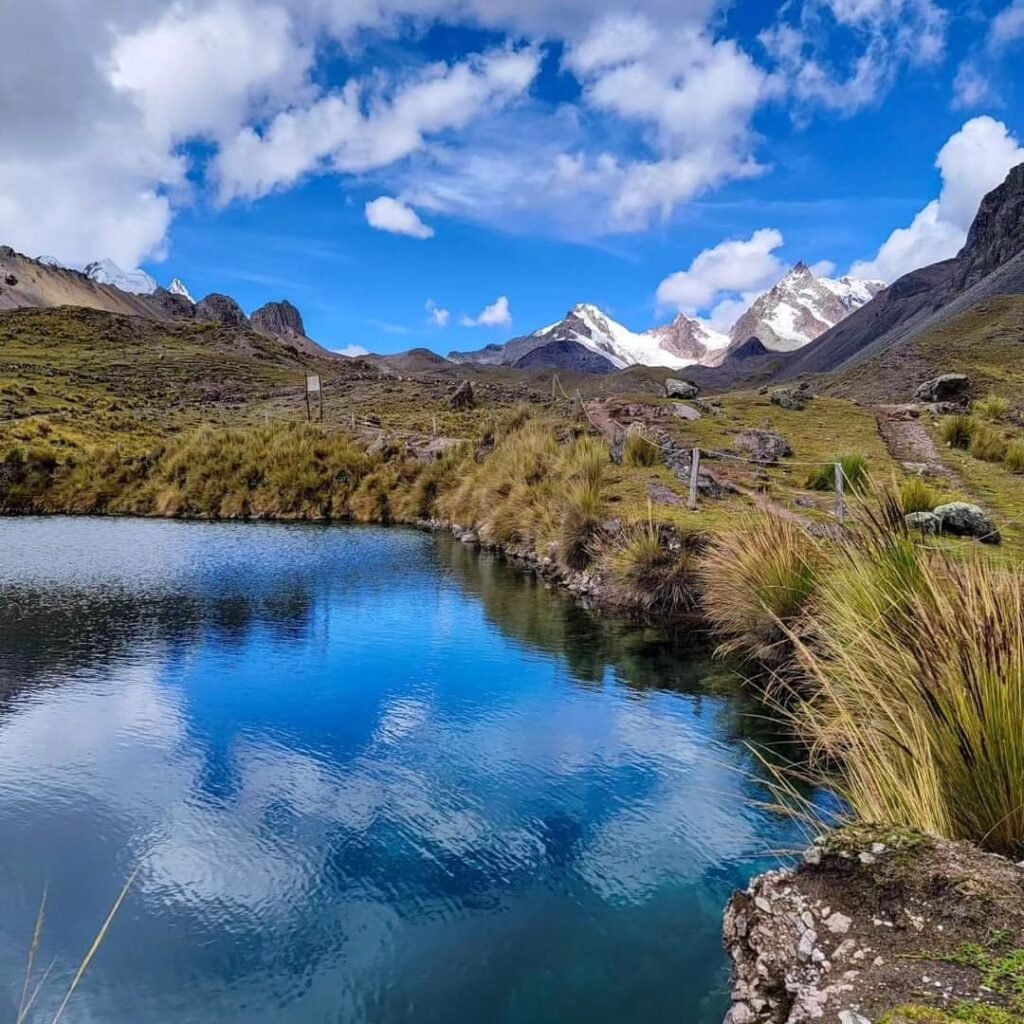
(949, 387)
(11, 280)
(463, 397)
(790, 398)
(675, 388)
(964, 520)
(927, 523)
(764, 445)
(684, 412)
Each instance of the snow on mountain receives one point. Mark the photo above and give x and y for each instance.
(177, 287)
(800, 308)
(593, 329)
(51, 261)
(690, 338)
(137, 282)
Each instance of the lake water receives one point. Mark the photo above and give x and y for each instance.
(364, 776)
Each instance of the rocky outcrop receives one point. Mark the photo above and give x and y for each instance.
(948, 387)
(996, 234)
(221, 309)
(871, 922)
(278, 320)
(564, 354)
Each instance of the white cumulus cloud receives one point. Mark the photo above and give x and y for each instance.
(732, 268)
(396, 217)
(370, 124)
(436, 314)
(972, 162)
(353, 351)
(497, 314)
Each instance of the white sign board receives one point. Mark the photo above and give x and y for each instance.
(313, 384)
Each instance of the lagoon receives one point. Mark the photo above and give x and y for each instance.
(365, 775)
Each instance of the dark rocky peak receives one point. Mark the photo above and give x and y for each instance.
(278, 319)
(749, 349)
(799, 272)
(997, 233)
(221, 309)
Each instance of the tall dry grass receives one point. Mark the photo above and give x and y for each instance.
(757, 583)
(915, 714)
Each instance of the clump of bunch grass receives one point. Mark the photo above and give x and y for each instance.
(957, 431)
(917, 495)
(584, 467)
(655, 568)
(855, 474)
(988, 445)
(639, 450)
(757, 583)
(993, 408)
(1015, 456)
(913, 704)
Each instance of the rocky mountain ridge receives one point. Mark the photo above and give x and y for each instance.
(27, 283)
(800, 308)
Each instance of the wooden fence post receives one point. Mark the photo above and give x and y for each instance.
(694, 476)
(840, 495)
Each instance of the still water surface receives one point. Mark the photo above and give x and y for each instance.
(365, 775)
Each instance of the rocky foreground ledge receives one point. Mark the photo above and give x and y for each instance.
(880, 927)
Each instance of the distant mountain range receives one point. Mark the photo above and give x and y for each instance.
(800, 308)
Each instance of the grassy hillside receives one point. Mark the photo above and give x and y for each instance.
(986, 342)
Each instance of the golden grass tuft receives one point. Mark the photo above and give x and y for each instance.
(653, 570)
(917, 700)
(639, 450)
(988, 445)
(1015, 457)
(992, 407)
(957, 431)
(757, 583)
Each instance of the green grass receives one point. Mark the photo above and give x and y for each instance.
(917, 495)
(855, 474)
(1015, 457)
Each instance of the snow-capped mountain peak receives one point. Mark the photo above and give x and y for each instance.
(800, 308)
(177, 287)
(592, 328)
(106, 271)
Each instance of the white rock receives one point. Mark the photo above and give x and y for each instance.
(838, 924)
(850, 1017)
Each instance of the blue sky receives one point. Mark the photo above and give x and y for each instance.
(365, 157)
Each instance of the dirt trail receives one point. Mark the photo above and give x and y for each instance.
(908, 441)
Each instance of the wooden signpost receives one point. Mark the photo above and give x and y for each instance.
(314, 387)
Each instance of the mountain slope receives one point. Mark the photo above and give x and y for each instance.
(990, 264)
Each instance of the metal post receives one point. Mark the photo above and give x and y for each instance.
(840, 495)
(321, 403)
(309, 415)
(694, 476)
(353, 419)
(435, 426)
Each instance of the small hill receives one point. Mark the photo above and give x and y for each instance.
(416, 360)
